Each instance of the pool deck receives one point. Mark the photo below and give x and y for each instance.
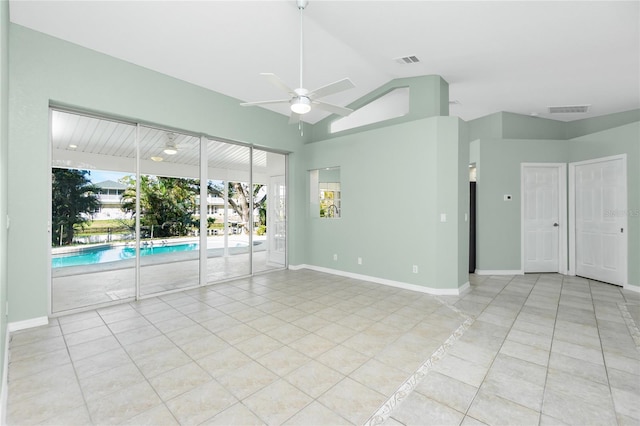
(83, 286)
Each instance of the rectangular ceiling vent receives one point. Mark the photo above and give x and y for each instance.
(570, 109)
(407, 60)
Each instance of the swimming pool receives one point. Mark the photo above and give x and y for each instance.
(114, 254)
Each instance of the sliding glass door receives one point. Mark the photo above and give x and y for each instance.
(131, 216)
(270, 206)
(169, 187)
(92, 237)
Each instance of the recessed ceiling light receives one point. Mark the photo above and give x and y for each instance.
(157, 159)
(72, 146)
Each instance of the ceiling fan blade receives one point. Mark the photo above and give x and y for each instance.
(331, 88)
(277, 101)
(276, 81)
(335, 109)
(294, 118)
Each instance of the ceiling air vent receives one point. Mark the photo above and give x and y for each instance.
(569, 109)
(407, 60)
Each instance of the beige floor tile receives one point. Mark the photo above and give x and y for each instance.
(78, 416)
(352, 400)
(237, 414)
(161, 362)
(37, 348)
(312, 345)
(101, 362)
(223, 361)
(158, 415)
(43, 382)
(314, 378)
(447, 391)
(247, 380)
(283, 360)
(277, 402)
(38, 363)
(257, 346)
(43, 406)
(179, 380)
(123, 405)
(417, 409)
(493, 410)
(188, 334)
(380, 329)
(380, 377)
(86, 335)
(287, 333)
(116, 379)
(200, 348)
(513, 389)
(237, 334)
(201, 403)
(335, 332)
(317, 414)
(462, 370)
(343, 359)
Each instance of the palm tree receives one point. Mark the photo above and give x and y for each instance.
(167, 204)
(73, 199)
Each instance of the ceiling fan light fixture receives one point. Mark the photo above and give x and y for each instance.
(170, 150)
(301, 105)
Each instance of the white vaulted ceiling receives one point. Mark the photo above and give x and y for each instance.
(511, 56)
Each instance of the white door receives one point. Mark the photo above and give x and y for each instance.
(541, 217)
(277, 221)
(600, 219)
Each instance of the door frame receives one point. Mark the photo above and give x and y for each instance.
(572, 214)
(562, 213)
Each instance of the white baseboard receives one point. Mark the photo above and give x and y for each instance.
(30, 323)
(633, 288)
(384, 281)
(499, 272)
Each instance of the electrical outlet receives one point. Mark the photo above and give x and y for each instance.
(415, 269)
(359, 261)
(335, 256)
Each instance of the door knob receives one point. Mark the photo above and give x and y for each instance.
(556, 224)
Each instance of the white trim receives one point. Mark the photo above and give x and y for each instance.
(5, 381)
(384, 281)
(30, 323)
(572, 215)
(562, 213)
(634, 288)
(499, 272)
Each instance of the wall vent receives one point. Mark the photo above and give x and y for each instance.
(569, 109)
(408, 60)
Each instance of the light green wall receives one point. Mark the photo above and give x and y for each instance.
(498, 221)
(517, 126)
(45, 69)
(392, 195)
(4, 141)
(428, 97)
(588, 126)
(498, 161)
(620, 140)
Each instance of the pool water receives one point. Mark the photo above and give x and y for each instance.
(114, 254)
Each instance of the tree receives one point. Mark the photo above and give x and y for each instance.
(239, 197)
(167, 204)
(73, 199)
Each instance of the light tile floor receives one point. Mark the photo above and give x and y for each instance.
(302, 347)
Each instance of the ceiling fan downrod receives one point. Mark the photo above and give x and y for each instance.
(302, 4)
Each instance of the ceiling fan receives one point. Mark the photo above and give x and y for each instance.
(301, 100)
